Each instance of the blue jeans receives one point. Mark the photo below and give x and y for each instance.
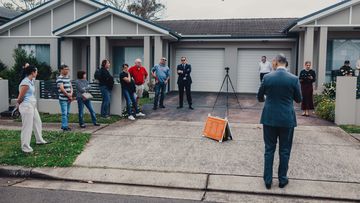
(285, 135)
(130, 102)
(160, 89)
(65, 111)
(105, 105)
(89, 106)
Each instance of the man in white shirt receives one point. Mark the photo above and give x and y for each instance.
(358, 67)
(265, 67)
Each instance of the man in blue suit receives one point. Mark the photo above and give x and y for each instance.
(281, 88)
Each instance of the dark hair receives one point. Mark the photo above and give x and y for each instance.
(347, 62)
(80, 74)
(63, 66)
(263, 57)
(125, 64)
(30, 70)
(104, 62)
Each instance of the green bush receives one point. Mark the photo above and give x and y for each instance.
(14, 75)
(330, 90)
(325, 109)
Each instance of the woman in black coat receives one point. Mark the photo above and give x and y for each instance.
(307, 78)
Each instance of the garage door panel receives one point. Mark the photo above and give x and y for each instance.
(207, 68)
(248, 67)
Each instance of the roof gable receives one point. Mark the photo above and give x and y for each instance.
(112, 17)
(337, 14)
(44, 8)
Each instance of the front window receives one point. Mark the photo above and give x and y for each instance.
(338, 51)
(40, 51)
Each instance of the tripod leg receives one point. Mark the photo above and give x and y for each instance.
(237, 99)
(217, 96)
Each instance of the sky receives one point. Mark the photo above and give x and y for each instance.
(210, 9)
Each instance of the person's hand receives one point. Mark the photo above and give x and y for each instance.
(310, 77)
(180, 71)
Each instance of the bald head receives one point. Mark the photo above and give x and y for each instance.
(138, 62)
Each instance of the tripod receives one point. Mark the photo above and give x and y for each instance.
(228, 80)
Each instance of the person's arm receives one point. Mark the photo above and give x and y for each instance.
(179, 71)
(297, 92)
(167, 76)
(22, 92)
(128, 78)
(153, 72)
(313, 75)
(189, 69)
(146, 74)
(261, 93)
(80, 88)
(62, 89)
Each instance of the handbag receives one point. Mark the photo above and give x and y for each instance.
(87, 95)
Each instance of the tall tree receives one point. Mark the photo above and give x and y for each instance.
(21, 5)
(119, 4)
(147, 9)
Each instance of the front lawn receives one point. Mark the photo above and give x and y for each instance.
(351, 128)
(61, 152)
(73, 118)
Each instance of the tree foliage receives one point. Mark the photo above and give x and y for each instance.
(22, 5)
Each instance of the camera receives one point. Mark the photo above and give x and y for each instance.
(227, 68)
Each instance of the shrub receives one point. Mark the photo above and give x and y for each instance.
(330, 90)
(14, 75)
(325, 109)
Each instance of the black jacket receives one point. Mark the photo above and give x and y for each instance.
(106, 79)
(185, 76)
(305, 76)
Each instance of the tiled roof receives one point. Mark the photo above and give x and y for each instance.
(7, 13)
(252, 27)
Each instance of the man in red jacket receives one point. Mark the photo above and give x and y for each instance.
(139, 73)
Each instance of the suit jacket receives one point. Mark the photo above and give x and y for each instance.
(185, 74)
(281, 89)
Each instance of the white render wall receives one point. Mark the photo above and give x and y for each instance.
(4, 99)
(347, 107)
(52, 106)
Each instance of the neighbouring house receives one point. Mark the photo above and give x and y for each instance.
(81, 33)
(6, 15)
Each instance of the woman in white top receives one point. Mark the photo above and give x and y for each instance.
(26, 102)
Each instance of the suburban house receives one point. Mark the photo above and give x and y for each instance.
(80, 33)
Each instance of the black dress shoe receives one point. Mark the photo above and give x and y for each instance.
(83, 126)
(96, 124)
(282, 185)
(162, 107)
(268, 186)
(179, 107)
(191, 108)
(154, 108)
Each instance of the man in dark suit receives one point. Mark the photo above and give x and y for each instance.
(281, 88)
(184, 82)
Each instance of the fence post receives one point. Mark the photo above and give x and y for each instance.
(345, 104)
(4, 99)
(116, 100)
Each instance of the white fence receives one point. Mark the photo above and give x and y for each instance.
(347, 107)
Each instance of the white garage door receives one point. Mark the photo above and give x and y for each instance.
(207, 68)
(248, 67)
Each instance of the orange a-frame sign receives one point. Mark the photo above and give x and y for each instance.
(217, 129)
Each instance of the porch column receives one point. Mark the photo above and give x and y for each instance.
(322, 58)
(104, 49)
(93, 60)
(309, 45)
(301, 52)
(147, 53)
(158, 43)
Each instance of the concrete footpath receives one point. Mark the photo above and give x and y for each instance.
(174, 156)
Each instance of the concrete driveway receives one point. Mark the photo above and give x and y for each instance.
(249, 110)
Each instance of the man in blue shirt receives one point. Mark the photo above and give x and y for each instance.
(161, 73)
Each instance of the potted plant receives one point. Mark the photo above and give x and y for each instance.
(151, 85)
